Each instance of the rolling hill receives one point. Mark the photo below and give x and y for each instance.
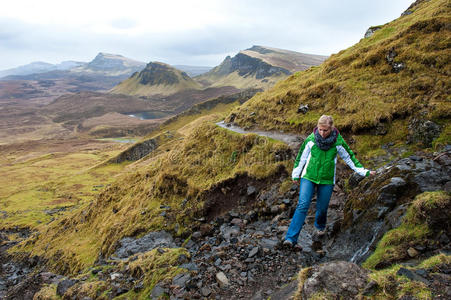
(203, 213)
(400, 72)
(156, 79)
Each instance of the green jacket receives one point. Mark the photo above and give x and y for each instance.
(319, 166)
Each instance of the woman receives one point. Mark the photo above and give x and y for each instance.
(315, 166)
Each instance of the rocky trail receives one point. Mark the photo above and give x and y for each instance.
(238, 255)
(291, 140)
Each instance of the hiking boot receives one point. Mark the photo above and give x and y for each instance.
(287, 244)
(319, 233)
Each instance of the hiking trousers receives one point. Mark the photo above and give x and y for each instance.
(323, 194)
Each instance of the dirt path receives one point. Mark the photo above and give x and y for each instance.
(291, 140)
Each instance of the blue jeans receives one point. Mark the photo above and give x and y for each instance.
(307, 188)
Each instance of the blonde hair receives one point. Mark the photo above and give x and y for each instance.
(326, 120)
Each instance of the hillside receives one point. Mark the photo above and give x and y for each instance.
(258, 67)
(400, 72)
(200, 214)
(156, 79)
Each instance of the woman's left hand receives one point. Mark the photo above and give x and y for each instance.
(372, 173)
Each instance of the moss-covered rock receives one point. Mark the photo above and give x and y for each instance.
(425, 221)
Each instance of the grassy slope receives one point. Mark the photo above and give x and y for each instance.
(422, 223)
(240, 82)
(131, 205)
(133, 86)
(358, 89)
(194, 155)
(38, 182)
(357, 85)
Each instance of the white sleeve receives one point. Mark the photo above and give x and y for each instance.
(347, 159)
(302, 162)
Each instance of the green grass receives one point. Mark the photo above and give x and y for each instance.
(30, 188)
(414, 230)
(154, 267)
(392, 286)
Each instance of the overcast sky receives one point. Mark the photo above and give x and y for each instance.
(182, 32)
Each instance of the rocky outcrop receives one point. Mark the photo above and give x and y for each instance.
(258, 66)
(378, 203)
(136, 152)
(371, 31)
(423, 131)
(249, 66)
(156, 79)
(130, 246)
(339, 279)
(157, 73)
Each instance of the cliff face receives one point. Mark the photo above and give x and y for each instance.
(258, 67)
(246, 66)
(204, 211)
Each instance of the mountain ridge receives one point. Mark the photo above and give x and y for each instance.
(39, 67)
(111, 65)
(258, 67)
(202, 214)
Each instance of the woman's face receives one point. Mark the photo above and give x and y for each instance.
(324, 130)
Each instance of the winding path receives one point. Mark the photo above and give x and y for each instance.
(291, 140)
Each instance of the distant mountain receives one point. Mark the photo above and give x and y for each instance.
(156, 79)
(44, 80)
(258, 67)
(40, 67)
(193, 70)
(110, 65)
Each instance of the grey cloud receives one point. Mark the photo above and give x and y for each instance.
(322, 27)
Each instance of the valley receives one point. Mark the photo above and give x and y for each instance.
(163, 185)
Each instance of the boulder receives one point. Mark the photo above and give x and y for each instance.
(181, 279)
(130, 246)
(339, 279)
(370, 31)
(157, 292)
(431, 180)
(303, 108)
(423, 131)
(390, 193)
(64, 285)
(251, 190)
(229, 231)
